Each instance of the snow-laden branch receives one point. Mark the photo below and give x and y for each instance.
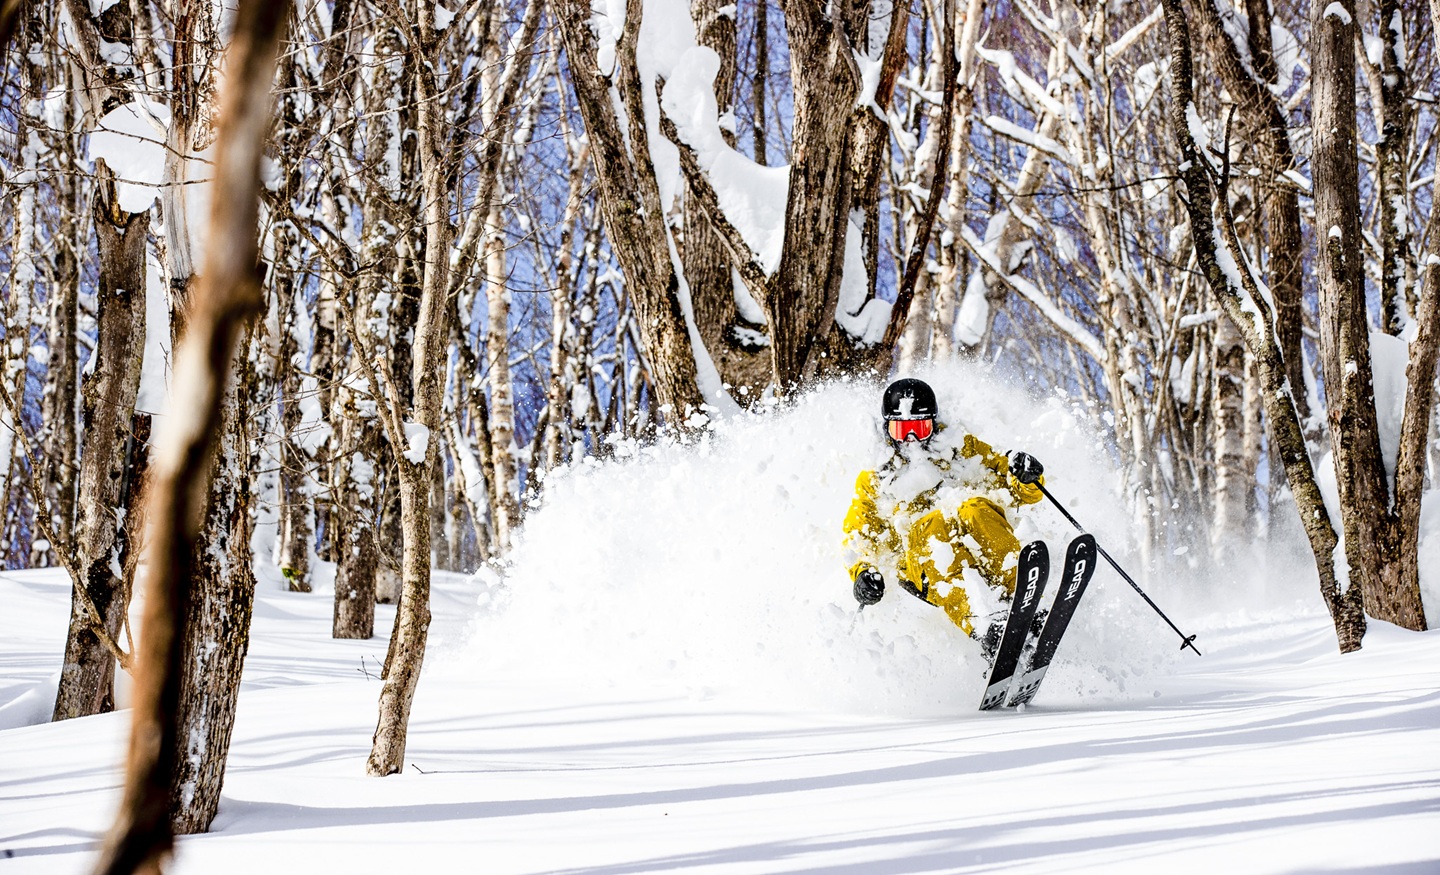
(1019, 84)
(1134, 34)
(1071, 329)
(1027, 137)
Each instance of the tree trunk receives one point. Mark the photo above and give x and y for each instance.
(1232, 481)
(356, 547)
(952, 251)
(421, 430)
(1256, 322)
(802, 296)
(1371, 545)
(178, 501)
(217, 636)
(630, 201)
(737, 345)
(762, 78)
(1264, 122)
(61, 398)
(1396, 265)
(505, 497)
(87, 677)
(297, 510)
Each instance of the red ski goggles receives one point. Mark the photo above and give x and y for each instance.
(902, 430)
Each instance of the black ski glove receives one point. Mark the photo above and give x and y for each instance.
(869, 587)
(1025, 467)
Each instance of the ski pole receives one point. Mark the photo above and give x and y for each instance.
(1185, 640)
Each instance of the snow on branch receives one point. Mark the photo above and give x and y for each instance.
(1073, 330)
(1133, 35)
(752, 197)
(1027, 137)
(1018, 83)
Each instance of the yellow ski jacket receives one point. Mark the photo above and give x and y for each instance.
(926, 521)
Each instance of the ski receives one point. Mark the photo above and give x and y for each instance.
(1079, 566)
(1029, 584)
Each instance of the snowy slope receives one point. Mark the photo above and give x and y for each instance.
(672, 677)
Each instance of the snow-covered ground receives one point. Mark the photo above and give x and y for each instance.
(672, 676)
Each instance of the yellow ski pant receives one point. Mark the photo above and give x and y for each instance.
(979, 536)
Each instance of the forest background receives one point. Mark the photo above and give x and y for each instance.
(496, 239)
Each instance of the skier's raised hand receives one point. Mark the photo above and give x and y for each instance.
(1026, 468)
(869, 587)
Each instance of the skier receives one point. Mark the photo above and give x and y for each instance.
(936, 512)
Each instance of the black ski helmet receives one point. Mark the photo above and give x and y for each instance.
(909, 398)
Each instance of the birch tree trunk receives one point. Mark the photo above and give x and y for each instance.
(15, 355)
(1396, 266)
(416, 435)
(1232, 481)
(505, 497)
(952, 258)
(61, 406)
(296, 536)
(356, 547)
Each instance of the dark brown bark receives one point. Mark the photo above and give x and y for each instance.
(1264, 124)
(802, 296)
(762, 77)
(10, 13)
(87, 677)
(1256, 323)
(738, 347)
(1415, 435)
(1371, 538)
(630, 202)
(230, 297)
(217, 634)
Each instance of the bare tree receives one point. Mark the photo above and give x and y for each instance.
(1249, 309)
(630, 198)
(228, 297)
(1380, 545)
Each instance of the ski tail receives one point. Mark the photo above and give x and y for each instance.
(1029, 585)
(1079, 567)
